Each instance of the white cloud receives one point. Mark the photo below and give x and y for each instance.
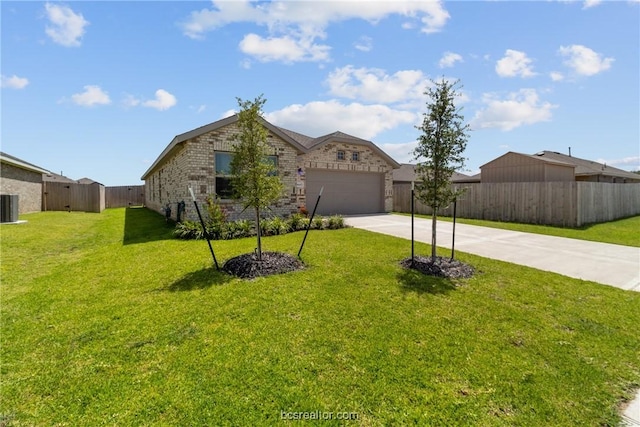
(401, 152)
(13, 82)
(628, 162)
(556, 76)
(92, 95)
(375, 85)
(363, 121)
(294, 26)
(286, 49)
(130, 101)
(67, 27)
(584, 61)
(517, 109)
(163, 101)
(449, 59)
(591, 3)
(514, 63)
(364, 44)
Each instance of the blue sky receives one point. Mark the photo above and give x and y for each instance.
(98, 89)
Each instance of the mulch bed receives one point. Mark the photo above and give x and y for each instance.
(440, 267)
(247, 266)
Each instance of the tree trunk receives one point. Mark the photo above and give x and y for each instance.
(258, 232)
(433, 235)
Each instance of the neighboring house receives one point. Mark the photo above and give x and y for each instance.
(54, 177)
(357, 176)
(406, 174)
(517, 167)
(549, 166)
(23, 179)
(588, 170)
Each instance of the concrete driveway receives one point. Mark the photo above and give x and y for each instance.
(614, 265)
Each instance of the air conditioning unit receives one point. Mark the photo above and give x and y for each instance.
(8, 208)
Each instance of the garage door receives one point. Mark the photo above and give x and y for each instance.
(345, 193)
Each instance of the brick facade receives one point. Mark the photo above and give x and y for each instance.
(191, 163)
(26, 184)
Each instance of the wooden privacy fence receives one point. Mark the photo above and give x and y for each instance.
(568, 204)
(63, 196)
(124, 196)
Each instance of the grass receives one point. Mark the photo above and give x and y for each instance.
(107, 320)
(619, 232)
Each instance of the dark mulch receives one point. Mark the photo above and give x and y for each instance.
(247, 266)
(440, 267)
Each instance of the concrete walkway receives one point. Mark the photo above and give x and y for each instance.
(613, 265)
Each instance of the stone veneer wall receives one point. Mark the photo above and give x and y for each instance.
(326, 157)
(26, 184)
(193, 165)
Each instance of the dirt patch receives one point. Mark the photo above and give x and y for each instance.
(440, 267)
(247, 266)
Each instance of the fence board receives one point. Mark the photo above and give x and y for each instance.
(124, 196)
(567, 204)
(62, 196)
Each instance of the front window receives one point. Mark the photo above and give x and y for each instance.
(224, 189)
(340, 155)
(223, 175)
(355, 156)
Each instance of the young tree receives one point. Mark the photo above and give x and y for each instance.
(439, 151)
(254, 177)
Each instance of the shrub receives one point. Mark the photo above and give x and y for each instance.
(188, 230)
(274, 226)
(335, 221)
(296, 222)
(318, 222)
(216, 214)
(244, 228)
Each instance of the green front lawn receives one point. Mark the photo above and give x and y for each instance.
(107, 320)
(619, 232)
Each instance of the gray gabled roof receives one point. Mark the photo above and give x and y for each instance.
(302, 143)
(530, 156)
(586, 167)
(407, 173)
(6, 158)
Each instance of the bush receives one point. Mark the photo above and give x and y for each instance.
(188, 230)
(216, 223)
(335, 221)
(217, 215)
(274, 226)
(244, 228)
(228, 230)
(296, 222)
(318, 223)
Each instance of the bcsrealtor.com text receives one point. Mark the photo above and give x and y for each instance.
(318, 415)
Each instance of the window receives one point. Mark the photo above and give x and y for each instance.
(355, 156)
(340, 155)
(274, 161)
(224, 189)
(223, 179)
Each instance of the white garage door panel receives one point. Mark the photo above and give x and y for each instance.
(345, 192)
